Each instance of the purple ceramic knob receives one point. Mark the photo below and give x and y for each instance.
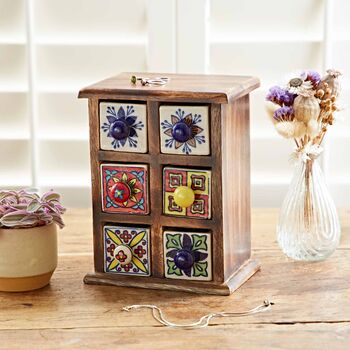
(184, 259)
(120, 130)
(181, 132)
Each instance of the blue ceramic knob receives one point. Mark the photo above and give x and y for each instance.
(181, 132)
(184, 259)
(120, 130)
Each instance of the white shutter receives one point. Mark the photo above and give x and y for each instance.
(338, 142)
(49, 49)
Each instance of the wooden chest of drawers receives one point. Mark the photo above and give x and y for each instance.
(170, 172)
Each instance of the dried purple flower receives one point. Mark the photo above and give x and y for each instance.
(280, 96)
(312, 76)
(21, 209)
(285, 113)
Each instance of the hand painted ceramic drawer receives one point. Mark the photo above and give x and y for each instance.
(187, 255)
(123, 127)
(184, 129)
(124, 188)
(127, 250)
(187, 192)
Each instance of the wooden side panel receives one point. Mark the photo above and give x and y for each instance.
(236, 183)
(216, 193)
(155, 189)
(95, 182)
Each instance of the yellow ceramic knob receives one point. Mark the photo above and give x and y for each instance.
(184, 196)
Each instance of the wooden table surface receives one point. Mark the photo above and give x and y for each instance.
(311, 311)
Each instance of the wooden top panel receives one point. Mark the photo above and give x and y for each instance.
(181, 87)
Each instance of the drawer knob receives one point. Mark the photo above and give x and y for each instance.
(123, 254)
(184, 259)
(184, 196)
(120, 130)
(181, 132)
(120, 192)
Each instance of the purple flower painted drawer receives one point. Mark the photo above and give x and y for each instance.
(127, 250)
(123, 127)
(184, 130)
(124, 188)
(187, 255)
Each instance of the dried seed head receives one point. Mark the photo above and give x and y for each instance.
(332, 81)
(306, 108)
(333, 73)
(320, 93)
(296, 82)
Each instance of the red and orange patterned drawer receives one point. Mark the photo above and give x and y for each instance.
(125, 188)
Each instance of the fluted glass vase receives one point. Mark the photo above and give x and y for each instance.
(308, 227)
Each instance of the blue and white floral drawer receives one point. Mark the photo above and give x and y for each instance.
(187, 255)
(127, 250)
(184, 130)
(123, 127)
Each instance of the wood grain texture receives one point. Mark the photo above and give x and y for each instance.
(237, 336)
(217, 194)
(302, 293)
(239, 277)
(94, 126)
(311, 311)
(190, 87)
(236, 180)
(156, 175)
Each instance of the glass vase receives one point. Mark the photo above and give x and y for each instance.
(308, 228)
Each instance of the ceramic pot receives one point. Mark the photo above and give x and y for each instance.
(28, 257)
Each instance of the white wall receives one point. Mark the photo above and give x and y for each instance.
(49, 49)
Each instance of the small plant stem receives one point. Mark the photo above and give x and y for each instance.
(308, 209)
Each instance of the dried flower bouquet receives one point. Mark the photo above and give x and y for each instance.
(302, 110)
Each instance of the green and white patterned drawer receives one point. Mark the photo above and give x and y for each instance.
(187, 255)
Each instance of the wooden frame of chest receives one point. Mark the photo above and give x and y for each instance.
(170, 168)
